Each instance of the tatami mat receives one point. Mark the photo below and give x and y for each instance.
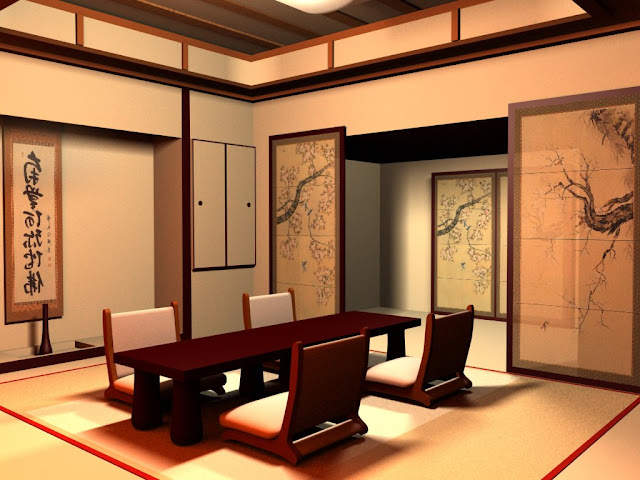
(507, 426)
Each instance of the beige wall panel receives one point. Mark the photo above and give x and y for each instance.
(108, 232)
(405, 37)
(217, 300)
(501, 15)
(405, 226)
(217, 295)
(362, 242)
(464, 92)
(221, 119)
(241, 205)
(167, 191)
(131, 43)
(208, 163)
(40, 20)
(60, 93)
(286, 65)
(218, 65)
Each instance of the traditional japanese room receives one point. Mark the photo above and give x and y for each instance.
(432, 201)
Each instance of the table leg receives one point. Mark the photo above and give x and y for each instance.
(395, 344)
(186, 417)
(252, 381)
(147, 411)
(285, 372)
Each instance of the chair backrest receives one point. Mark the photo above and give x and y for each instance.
(137, 329)
(264, 310)
(446, 346)
(326, 382)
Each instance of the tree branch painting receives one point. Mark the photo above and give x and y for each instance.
(594, 213)
(464, 237)
(305, 216)
(575, 244)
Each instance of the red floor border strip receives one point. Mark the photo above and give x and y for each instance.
(80, 445)
(556, 471)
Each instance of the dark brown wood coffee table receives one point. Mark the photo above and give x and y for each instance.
(186, 362)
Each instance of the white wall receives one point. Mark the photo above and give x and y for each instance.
(107, 235)
(469, 91)
(362, 235)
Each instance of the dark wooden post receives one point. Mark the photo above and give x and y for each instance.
(45, 344)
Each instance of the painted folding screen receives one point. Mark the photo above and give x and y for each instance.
(307, 219)
(469, 242)
(574, 174)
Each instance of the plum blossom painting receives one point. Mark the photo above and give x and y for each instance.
(575, 258)
(307, 219)
(465, 240)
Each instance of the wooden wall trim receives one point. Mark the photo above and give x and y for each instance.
(455, 25)
(6, 3)
(187, 311)
(331, 49)
(410, 17)
(79, 29)
(460, 52)
(551, 33)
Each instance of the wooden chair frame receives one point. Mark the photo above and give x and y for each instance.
(273, 366)
(296, 421)
(446, 346)
(111, 392)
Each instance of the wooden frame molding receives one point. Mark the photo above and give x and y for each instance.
(577, 28)
(6, 3)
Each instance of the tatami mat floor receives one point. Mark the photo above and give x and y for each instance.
(29, 453)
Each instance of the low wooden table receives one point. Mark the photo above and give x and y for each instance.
(187, 361)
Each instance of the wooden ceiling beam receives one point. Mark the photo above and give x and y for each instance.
(6, 3)
(183, 17)
(400, 6)
(261, 17)
(348, 20)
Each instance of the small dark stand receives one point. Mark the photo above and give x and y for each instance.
(45, 344)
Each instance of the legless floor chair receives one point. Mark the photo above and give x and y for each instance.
(265, 310)
(325, 386)
(446, 345)
(142, 328)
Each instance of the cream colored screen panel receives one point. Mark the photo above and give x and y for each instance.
(406, 37)
(208, 204)
(65, 94)
(131, 43)
(40, 20)
(241, 219)
(218, 65)
(292, 64)
(501, 15)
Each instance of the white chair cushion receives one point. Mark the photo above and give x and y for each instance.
(142, 328)
(270, 309)
(399, 372)
(262, 418)
(125, 384)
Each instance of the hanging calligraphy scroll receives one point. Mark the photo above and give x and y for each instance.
(33, 222)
